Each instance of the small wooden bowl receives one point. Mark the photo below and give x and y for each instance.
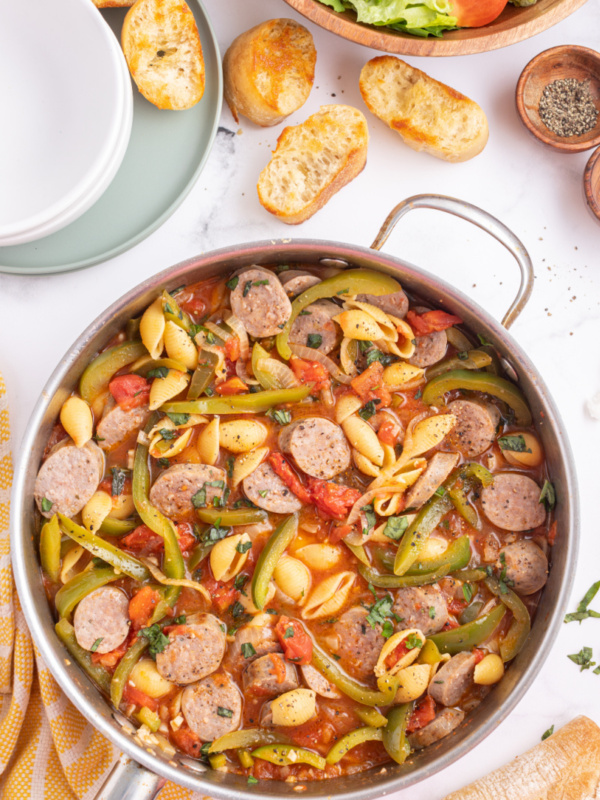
(591, 183)
(566, 61)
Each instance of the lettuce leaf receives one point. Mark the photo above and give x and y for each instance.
(428, 17)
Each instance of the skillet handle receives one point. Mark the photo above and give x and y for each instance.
(484, 221)
(128, 780)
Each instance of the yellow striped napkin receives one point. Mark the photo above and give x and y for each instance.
(48, 751)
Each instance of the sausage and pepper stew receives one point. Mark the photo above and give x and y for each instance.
(295, 522)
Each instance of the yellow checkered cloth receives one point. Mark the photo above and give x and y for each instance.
(48, 751)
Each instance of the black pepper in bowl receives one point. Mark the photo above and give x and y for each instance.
(567, 107)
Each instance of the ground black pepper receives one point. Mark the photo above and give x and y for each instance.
(567, 107)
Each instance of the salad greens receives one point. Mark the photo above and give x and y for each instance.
(425, 18)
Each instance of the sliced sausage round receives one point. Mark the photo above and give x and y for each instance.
(194, 651)
(212, 707)
(512, 502)
(102, 619)
(317, 682)
(117, 425)
(429, 349)
(262, 639)
(359, 643)
(395, 303)
(181, 486)
(261, 303)
(475, 428)
(421, 607)
(453, 679)
(295, 281)
(318, 445)
(316, 321)
(526, 566)
(266, 490)
(68, 478)
(445, 722)
(269, 676)
(438, 469)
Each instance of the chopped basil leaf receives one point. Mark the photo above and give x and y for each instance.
(271, 611)
(118, 481)
(281, 416)
(385, 359)
(418, 394)
(224, 712)
(230, 463)
(239, 581)
(305, 313)
(248, 650)
(96, 645)
(364, 345)
(180, 620)
(548, 495)
(199, 499)
(515, 444)
(463, 356)
(314, 340)
(237, 609)
(484, 340)
(194, 330)
(167, 433)
(205, 748)
(431, 612)
(467, 591)
(548, 733)
(342, 291)
(46, 504)
(370, 518)
(260, 283)
(243, 547)
(582, 609)
(583, 658)
(156, 638)
(395, 527)
(159, 372)
(247, 287)
(252, 780)
(263, 492)
(289, 633)
(380, 609)
(163, 462)
(178, 419)
(233, 282)
(387, 629)
(440, 491)
(412, 641)
(215, 533)
(369, 409)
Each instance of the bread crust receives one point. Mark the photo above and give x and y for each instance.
(565, 766)
(312, 162)
(163, 51)
(269, 71)
(113, 3)
(427, 114)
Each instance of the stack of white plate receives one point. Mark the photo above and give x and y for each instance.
(67, 109)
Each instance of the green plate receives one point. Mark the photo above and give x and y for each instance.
(164, 158)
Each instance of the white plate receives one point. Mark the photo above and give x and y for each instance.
(67, 109)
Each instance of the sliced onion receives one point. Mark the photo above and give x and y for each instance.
(220, 333)
(348, 356)
(237, 326)
(356, 514)
(310, 354)
(161, 578)
(241, 370)
(220, 369)
(282, 375)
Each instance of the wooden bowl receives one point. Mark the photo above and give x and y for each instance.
(591, 183)
(513, 25)
(566, 61)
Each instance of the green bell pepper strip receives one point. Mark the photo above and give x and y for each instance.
(350, 687)
(470, 575)
(460, 483)
(476, 359)
(457, 555)
(146, 366)
(359, 551)
(394, 734)
(370, 716)
(82, 584)
(231, 517)
(199, 553)
(516, 636)
(118, 559)
(117, 527)
(98, 374)
(249, 737)
(471, 612)
(173, 564)
(400, 581)
(239, 403)
(352, 739)
(286, 754)
(50, 539)
(174, 313)
(270, 555)
(347, 283)
(66, 633)
(123, 670)
(436, 388)
(468, 636)
(203, 374)
(418, 532)
(429, 654)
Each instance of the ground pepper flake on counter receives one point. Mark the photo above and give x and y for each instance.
(567, 107)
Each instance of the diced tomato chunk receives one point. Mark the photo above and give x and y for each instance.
(130, 391)
(333, 499)
(107, 484)
(297, 644)
(144, 541)
(185, 536)
(232, 348)
(451, 623)
(131, 694)
(369, 386)
(479, 655)
(389, 430)
(111, 659)
(456, 605)
(288, 476)
(338, 532)
(231, 386)
(141, 607)
(423, 714)
(431, 321)
(185, 739)
(311, 372)
(397, 653)
(552, 533)
(223, 594)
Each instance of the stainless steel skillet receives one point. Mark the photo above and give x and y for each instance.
(141, 772)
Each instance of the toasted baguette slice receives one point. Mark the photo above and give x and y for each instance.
(565, 766)
(312, 162)
(269, 71)
(163, 50)
(112, 3)
(427, 114)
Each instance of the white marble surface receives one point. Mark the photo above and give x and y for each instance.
(536, 192)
